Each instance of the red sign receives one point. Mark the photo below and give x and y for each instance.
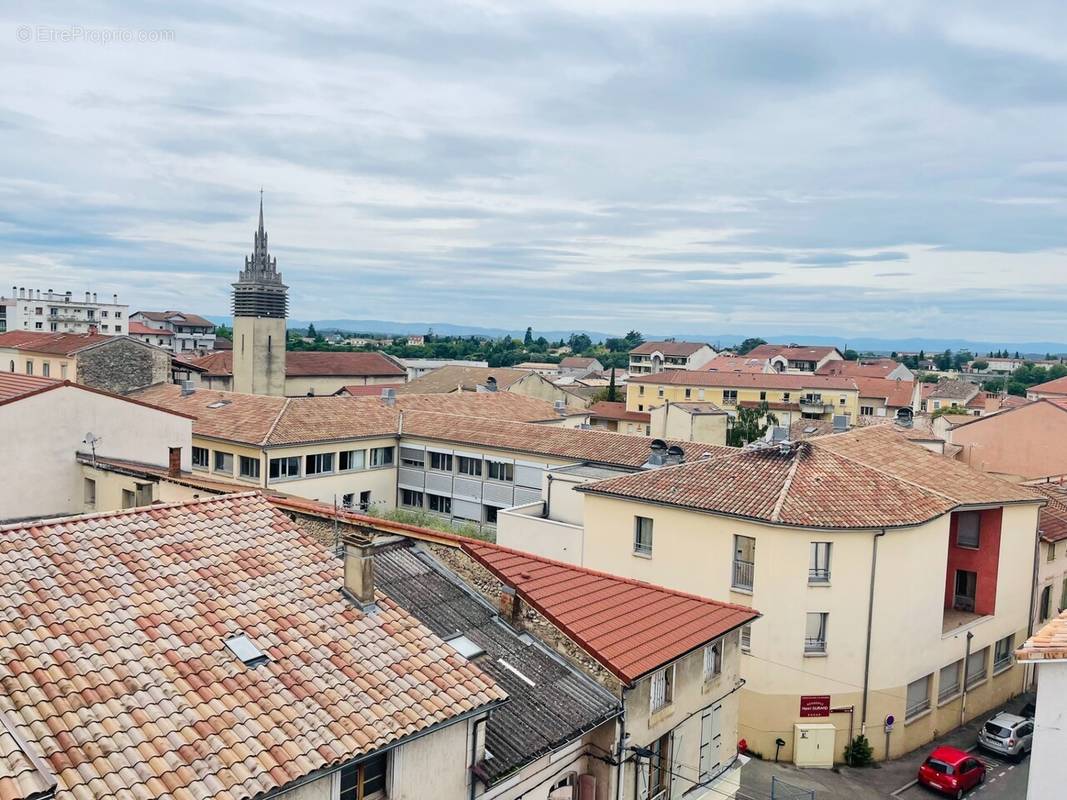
(815, 705)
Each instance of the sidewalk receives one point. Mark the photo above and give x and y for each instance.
(849, 783)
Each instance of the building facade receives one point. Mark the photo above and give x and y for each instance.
(652, 358)
(181, 332)
(54, 312)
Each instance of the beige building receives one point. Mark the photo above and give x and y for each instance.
(454, 378)
(689, 422)
(795, 358)
(913, 597)
(1025, 444)
(45, 424)
(310, 373)
(651, 358)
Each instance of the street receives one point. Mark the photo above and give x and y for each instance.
(1005, 780)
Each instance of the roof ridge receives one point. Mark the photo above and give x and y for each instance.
(277, 420)
(788, 482)
(48, 522)
(881, 471)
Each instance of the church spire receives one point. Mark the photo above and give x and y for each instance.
(261, 231)
(259, 290)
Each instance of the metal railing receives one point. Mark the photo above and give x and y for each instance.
(819, 575)
(743, 573)
(814, 644)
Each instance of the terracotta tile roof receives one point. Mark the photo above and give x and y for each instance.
(113, 666)
(628, 626)
(1053, 524)
(954, 390)
(448, 378)
(792, 352)
(617, 411)
(1057, 386)
(60, 344)
(667, 348)
(1013, 401)
(177, 317)
(895, 393)
(483, 405)
(23, 775)
(577, 362)
(14, 385)
(868, 478)
(139, 328)
(736, 364)
(1048, 644)
(868, 369)
(307, 364)
(740, 380)
(367, 390)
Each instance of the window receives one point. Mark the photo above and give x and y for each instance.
(744, 562)
(409, 457)
(200, 457)
(762, 395)
(287, 467)
(410, 498)
(318, 463)
(491, 514)
(1063, 595)
(469, 466)
(976, 667)
(29, 367)
(729, 397)
(103, 314)
(118, 314)
(918, 697)
(224, 462)
(966, 589)
(642, 536)
(710, 743)
(440, 504)
(46, 370)
(1002, 653)
(62, 371)
(1050, 553)
(659, 392)
(90, 313)
(38, 326)
(948, 681)
(364, 781)
(746, 638)
(348, 500)
(351, 459)
(128, 499)
(659, 768)
(568, 781)
(713, 659)
(1045, 604)
(381, 456)
(815, 632)
(89, 489)
(441, 461)
(38, 311)
(785, 397)
(867, 411)
(819, 563)
(700, 394)
(248, 467)
(661, 689)
(641, 390)
(118, 329)
(967, 529)
(364, 501)
(500, 470)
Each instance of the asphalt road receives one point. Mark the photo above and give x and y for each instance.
(1005, 780)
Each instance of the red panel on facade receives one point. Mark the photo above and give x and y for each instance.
(983, 561)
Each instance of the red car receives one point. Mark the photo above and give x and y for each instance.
(951, 771)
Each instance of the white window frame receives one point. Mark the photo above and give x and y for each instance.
(252, 474)
(318, 464)
(819, 555)
(358, 456)
(661, 689)
(816, 645)
(206, 462)
(913, 709)
(378, 453)
(284, 462)
(224, 456)
(713, 659)
(643, 530)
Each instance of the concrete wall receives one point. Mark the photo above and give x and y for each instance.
(523, 528)
(259, 355)
(328, 384)
(45, 431)
(1050, 731)
(1022, 444)
(671, 422)
(26, 363)
(694, 552)
(435, 765)
(122, 365)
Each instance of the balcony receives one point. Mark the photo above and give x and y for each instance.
(814, 645)
(743, 574)
(813, 404)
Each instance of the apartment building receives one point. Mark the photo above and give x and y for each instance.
(54, 312)
(794, 358)
(790, 397)
(579, 366)
(251, 665)
(182, 332)
(530, 383)
(870, 368)
(1049, 390)
(950, 393)
(885, 397)
(891, 580)
(1024, 444)
(652, 358)
(613, 416)
(417, 367)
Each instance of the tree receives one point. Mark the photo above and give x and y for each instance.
(750, 424)
(981, 365)
(312, 334)
(579, 343)
(851, 355)
(613, 392)
(633, 339)
(858, 752)
(749, 344)
(527, 340)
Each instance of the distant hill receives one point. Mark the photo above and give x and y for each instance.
(865, 343)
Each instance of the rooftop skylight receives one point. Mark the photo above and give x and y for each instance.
(464, 646)
(243, 647)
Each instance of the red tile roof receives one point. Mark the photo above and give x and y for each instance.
(869, 478)
(14, 385)
(576, 362)
(869, 369)
(1048, 644)
(895, 393)
(135, 328)
(617, 411)
(1056, 386)
(62, 344)
(114, 668)
(791, 352)
(308, 364)
(628, 626)
(759, 380)
(1053, 523)
(667, 348)
(367, 390)
(177, 318)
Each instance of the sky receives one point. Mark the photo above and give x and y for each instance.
(889, 169)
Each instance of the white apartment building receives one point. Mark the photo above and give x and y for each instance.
(177, 331)
(55, 312)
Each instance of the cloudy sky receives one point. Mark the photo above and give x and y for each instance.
(740, 166)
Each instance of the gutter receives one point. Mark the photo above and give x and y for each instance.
(870, 625)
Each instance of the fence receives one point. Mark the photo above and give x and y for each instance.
(780, 790)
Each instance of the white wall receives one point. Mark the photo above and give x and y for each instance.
(1050, 731)
(41, 434)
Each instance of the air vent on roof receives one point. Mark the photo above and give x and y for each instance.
(218, 404)
(243, 647)
(465, 646)
(779, 433)
(840, 422)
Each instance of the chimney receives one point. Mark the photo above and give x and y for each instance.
(561, 407)
(510, 607)
(94, 297)
(87, 297)
(188, 388)
(359, 571)
(490, 384)
(657, 455)
(675, 455)
(115, 299)
(389, 396)
(174, 464)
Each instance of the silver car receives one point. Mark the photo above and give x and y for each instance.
(1008, 735)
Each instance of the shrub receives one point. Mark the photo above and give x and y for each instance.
(859, 752)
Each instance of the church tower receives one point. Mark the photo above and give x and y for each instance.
(260, 303)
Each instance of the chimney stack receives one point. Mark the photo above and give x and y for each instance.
(510, 607)
(490, 384)
(188, 388)
(389, 396)
(174, 464)
(87, 297)
(359, 571)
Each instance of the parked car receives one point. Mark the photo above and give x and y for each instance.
(951, 771)
(1007, 735)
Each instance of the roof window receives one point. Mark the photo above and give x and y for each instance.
(243, 647)
(218, 404)
(465, 646)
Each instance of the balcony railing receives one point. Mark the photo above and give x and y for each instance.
(743, 572)
(814, 645)
(819, 575)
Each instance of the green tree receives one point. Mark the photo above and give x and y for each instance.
(750, 424)
(527, 340)
(312, 333)
(851, 355)
(749, 344)
(579, 343)
(613, 391)
(858, 752)
(980, 365)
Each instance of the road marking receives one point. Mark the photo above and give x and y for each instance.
(1001, 775)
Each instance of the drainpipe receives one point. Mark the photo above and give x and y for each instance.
(547, 513)
(621, 747)
(966, 677)
(474, 754)
(870, 624)
(1029, 673)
